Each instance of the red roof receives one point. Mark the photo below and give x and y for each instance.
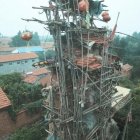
(33, 76)
(15, 57)
(30, 79)
(4, 101)
(4, 49)
(91, 62)
(39, 71)
(45, 80)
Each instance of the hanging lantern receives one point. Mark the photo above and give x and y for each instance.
(106, 18)
(105, 14)
(82, 6)
(26, 36)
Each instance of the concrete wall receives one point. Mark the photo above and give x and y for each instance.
(17, 66)
(8, 126)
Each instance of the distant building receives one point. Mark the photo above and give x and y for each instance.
(4, 101)
(6, 50)
(17, 62)
(48, 46)
(35, 49)
(39, 76)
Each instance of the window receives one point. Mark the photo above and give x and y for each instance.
(33, 60)
(26, 61)
(1, 64)
(18, 62)
(10, 63)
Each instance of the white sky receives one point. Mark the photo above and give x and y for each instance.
(11, 12)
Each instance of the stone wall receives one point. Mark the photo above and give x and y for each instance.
(8, 126)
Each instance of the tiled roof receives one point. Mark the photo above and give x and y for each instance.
(4, 101)
(40, 71)
(91, 62)
(48, 45)
(4, 49)
(15, 57)
(45, 80)
(28, 49)
(30, 79)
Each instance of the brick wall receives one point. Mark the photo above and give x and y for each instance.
(8, 126)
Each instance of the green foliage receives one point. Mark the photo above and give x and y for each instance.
(12, 113)
(125, 82)
(133, 128)
(17, 41)
(34, 132)
(50, 54)
(34, 107)
(128, 49)
(35, 41)
(19, 92)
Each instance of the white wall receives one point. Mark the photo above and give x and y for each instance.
(18, 66)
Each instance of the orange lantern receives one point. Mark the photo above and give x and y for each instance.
(106, 18)
(26, 36)
(82, 6)
(105, 14)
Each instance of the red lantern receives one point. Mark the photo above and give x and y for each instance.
(82, 6)
(26, 36)
(106, 18)
(105, 14)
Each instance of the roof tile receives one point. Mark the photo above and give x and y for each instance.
(15, 57)
(39, 71)
(4, 101)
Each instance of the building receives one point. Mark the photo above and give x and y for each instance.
(17, 62)
(39, 76)
(7, 125)
(6, 50)
(35, 49)
(48, 46)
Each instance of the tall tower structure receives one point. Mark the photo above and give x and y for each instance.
(80, 104)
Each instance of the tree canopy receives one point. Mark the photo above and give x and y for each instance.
(128, 49)
(19, 93)
(34, 132)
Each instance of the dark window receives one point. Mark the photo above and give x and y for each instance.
(18, 62)
(1, 64)
(10, 63)
(33, 60)
(26, 61)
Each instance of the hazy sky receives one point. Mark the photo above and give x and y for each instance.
(11, 12)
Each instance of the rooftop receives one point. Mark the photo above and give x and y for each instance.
(120, 95)
(28, 49)
(15, 57)
(5, 49)
(91, 62)
(4, 101)
(32, 77)
(39, 71)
